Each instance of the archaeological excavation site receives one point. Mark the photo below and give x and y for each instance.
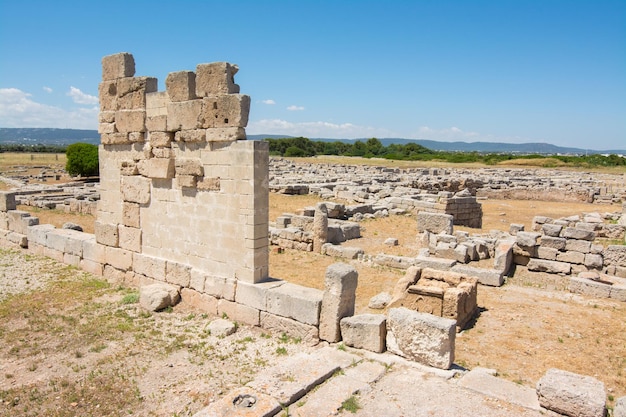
(406, 291)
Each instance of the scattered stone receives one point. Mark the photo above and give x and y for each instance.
(222, 327)
(380, 301)
(72, 226)
(391, 241)
(156, 297)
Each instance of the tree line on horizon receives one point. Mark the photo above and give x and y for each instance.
(373, 148)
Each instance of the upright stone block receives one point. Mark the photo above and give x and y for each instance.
(117, 66)
(7, 201)
(338, 300)
(365, 331)
(107, 234)
(181, 85)
(320, 227)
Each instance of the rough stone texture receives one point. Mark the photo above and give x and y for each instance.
(553, 267)
(421, 337)
(222, 327)
(242, 402)
(118, 66)
(307, 333)
(320, 227)
(571, 394)
(340, 284)
(380, 301)
(365, 331)
(7, 201)
(434, 222)
(156, 297)
(615, 255)
(620, 407)
(503, 258)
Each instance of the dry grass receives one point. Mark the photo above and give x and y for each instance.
(27, 164)
(58, 217)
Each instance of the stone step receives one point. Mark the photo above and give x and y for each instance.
(281, 385)
(328, 398)
(481, 380)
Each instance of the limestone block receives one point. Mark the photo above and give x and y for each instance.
(307, 333)
(225, 111)
(93, 251)
(177, 274)
(485, 276)
(615, 255)
(156, 104)
(160, 139)
(380, 301)
(183, 115)
(156, 297)
(220, 287)
(365, 331)
(118, 66)
(296, 302)
(181, 85)
(591, 288)
(503, 257)
(238, 312)
(255, 295)
(216, 78)
(163, 153)
(132, 91)
(119, 258)
(557, 243)
(191, 135)
(92, 267)
(162, 168)
(149, 266)
(189, 181)
(547, 253)
(574, 233)
(320, 227)
(225, 134)
(189, 167)
(199, 302)
(131, 214)
(583, 246)
(514, 228)
(421, 337)
(527, 238)
(106, 234)
(156, 123)
(114, 138)
(129, 238)
(19, 239)
(340, 284)
(113, 275)
(571, 257)
(52, 253)
(337, 251)
(552, 267)
(553, 230)
(434, 222)
(37, 234)
(127, 121)
(594, 261)
(135, 189)
(106, 128)
(209, 184)
(72, 260)
(107, 95)
(572, 394)
(7, 201)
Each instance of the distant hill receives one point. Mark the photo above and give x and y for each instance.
(49, 136)
(484, 147)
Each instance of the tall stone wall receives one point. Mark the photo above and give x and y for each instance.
(177, 182)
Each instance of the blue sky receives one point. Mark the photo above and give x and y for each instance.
(499, 71)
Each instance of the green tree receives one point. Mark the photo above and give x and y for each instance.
(82, 159)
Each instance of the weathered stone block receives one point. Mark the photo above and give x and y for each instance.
(177, 274)
(106, 234)
(199, 302)
(37, 234)
(238, 312)
(149, 266)
(183, 115)
(132, 92)
(308, 333)
(296, 302)
(225, 134)
(156, 297)
(591, 288)
(557, 243)
(574, 233)
(547, 253)
(160, 139)
(571, 257)
(135, 189)
(615, 255)
(583, 246)
(157, 168)
(216, 78)
(553, 230)
(365, 331)
(131, 215)
(118, 66)
(593, 261)
(552, 267)
(503, 257)
(340, 284)
(181, 85)
(127, 121)
(7, 201)
(225, 111)
(434, 222)
(119, 258)
(572, 394)
(129, 238)
(189, 167)
(421, 337)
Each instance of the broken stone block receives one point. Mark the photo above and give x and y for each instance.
(503, 257)
(156, 168)
(225, 111)
(222, 327)
(572, 394)
(421, 337)
(7, 201)
(216, 78)
(320, 227)
(552, 267)
(156, 297)
(574, 233)
(118, 66)
(338, 300)
(434, 222)
(380, 301)
(365, 331)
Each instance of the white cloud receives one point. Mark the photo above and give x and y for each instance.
(269, 101)
(81, 98)
(17, 109)
(316, 129)
(446, 134)
(295, 108)
(47, 89)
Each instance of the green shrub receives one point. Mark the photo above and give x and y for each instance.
(82, 159)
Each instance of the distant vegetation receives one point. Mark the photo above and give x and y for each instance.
(373, 148)
(38, 148)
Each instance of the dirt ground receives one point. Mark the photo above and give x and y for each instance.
(57, 358)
